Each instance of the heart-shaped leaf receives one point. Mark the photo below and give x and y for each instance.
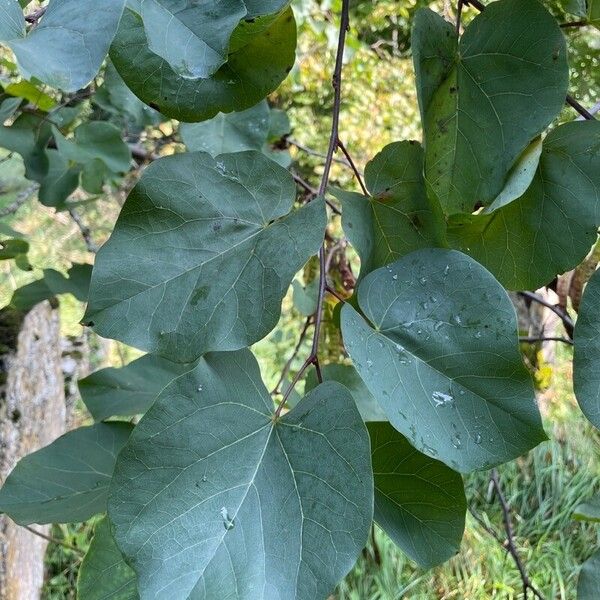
(438, 349)
(213, 497)
(202, 254)
(486, 97)
(255, 67)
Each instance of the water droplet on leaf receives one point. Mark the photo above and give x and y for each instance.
(442, 399)
(227, 520)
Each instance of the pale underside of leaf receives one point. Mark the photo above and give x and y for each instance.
(73, 37)
(193, 38)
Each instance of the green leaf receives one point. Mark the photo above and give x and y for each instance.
(438, 349)
(588, 583)
(586, 354)
(520, 176)
(397, 218)
(60, 182)
(28, 136)
(419, 502)
(104, 574)
(66, 49)
(116, 98)
(128, 390)
(227, 245)
(52, 284)
(12, 21)
(232, 132)
(305, 297)
(525, 244)
(250, 74)
(192, 37)
(588, 511)
(67, 481)
(95, 140)
(27, 296)
(258, 8)
(8, 108)
(214, 498)
(485, 102)
(93, 175)
(77, 283)
(16, 249)
(11, 248)
(31, 92)
(346, 375)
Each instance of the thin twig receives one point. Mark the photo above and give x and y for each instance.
(335, 293)
(592, 111)
(313, 358)
(85, 231)
(35, 16)
(353, 167)
(312, 152)
(557, 310)
(288, 364)
(490, 530)
(533, 339)
(53, 540)
(574, 24)
(314, 192)
(586, 114)
(475, 4)
(23, 196)
(510, 538)
(459, 8)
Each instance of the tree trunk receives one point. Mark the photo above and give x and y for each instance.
(32, 415)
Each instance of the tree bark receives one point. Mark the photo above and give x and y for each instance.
(32, 415)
